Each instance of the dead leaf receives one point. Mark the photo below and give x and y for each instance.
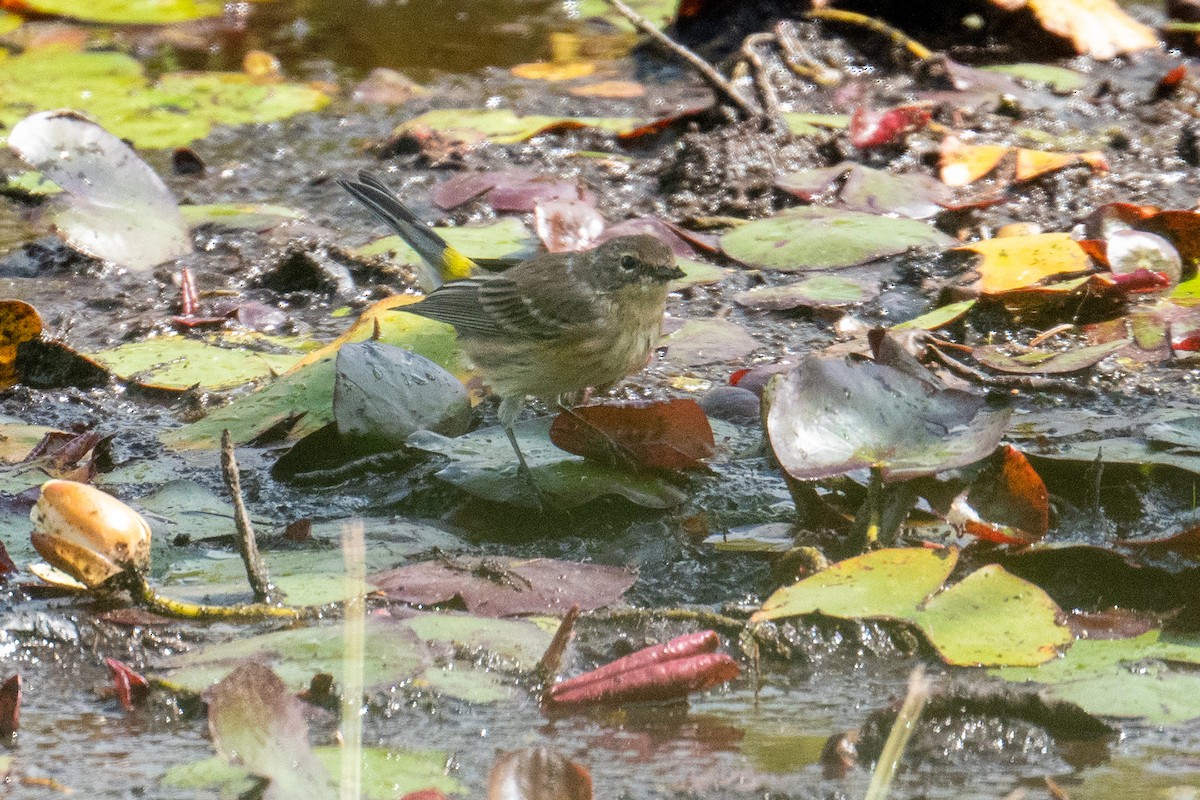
(670, 435)
(1097, 28)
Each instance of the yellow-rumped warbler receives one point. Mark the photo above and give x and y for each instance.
(555, 324)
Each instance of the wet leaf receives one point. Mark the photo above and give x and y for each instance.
(420, 648)
(822, 238)
(113, 89)
(1007, 502)
(130, 687)
(870, 128)
(503, 126)
(962, 164)
(830, 416)
(674, 434)
(1058, 78)
(1035, 163)
(819, 291)
(114, 207)
(239, 216)
(887, 583)
(806, 124)
(483, 464)
(1014, 262)
(938, 318)
(1124, 677)
(385, 773)
(123, 12)
(10, 708)
(870, 190)
(992, 617)
(384, 86)
(613, 90)
(19, 322)
(1185, 543)
(709, 341)
(989, 618)
(181, 361)
(495, 586)
(257, 724)
(552, 71)
(1033, 361)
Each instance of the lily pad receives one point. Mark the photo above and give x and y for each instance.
(127, 12)
(1057, 78)
(113, 206)
(386, 773)
(1046, 362)
(483, 464)
(396, 651)
(870, 190)
(938, 318)
(989, 618)
(1015, 262)
(821, 238)
(239, 216)
(179, 362)
(819, 291)
(504, 126)
(830, 416)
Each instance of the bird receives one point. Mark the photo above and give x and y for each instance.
(546, 327)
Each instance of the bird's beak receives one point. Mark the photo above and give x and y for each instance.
(670, 273)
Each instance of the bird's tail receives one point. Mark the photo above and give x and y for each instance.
(443, 261)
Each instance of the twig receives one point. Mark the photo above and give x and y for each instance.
(915, 48)
(256, 571)
(762, 81)
(710, 75)
(799, 61)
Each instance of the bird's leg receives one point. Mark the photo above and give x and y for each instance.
(510, 407)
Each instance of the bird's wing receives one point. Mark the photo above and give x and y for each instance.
(542, 303)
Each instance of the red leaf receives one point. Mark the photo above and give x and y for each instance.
(691, 644)
(670, 435)
(131, 688)
(425, 794)
(870, 128)
(1097, 250)
(1185, 543)
(7, 567)
(1141, 281)
(10, 708)
(189, 298)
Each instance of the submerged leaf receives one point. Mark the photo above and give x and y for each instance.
(670, 435)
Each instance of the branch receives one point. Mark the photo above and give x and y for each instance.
(256, 571)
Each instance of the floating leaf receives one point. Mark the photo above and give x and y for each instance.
(257, 724)
(870, 128)
(504, 126)
(1097, 28)
(805, 124)
(1007, 502)
(123, 12)
(962, 164)
(239, 216)
(1058, 78)
(830, 416)
(496, 586)
(1014, 262)
(668, 435)
(870, 190)
(991, 617)
(114, 207)
(938, 318)
(552, 71)
(483, 463)
(819, 291)
(822, 238)
(180, 361)
(709, 341)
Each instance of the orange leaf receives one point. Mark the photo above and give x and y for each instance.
(19, 322)
(616, 90)
(966, 163)
(1097, 28)
(551, 71)
(1014, 262)
(1032, 163)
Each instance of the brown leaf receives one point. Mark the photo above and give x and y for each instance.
(670, 435)
(1098, 28)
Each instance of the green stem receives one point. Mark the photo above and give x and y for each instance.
(874, 505)
(148, 598)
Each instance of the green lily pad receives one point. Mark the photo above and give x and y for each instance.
(659, 12)
(814, 238)
(396, 652)
(1057, 78)
(506, 239)
(386, 773)
(819, 291)
(830, 416)
(993, 617)
(113, 89)
(804, 124)
(1124, 677)
(888, 583)
(128, 12)
(503, 126)
(989, 618)
(696, 273)
(239, 216)
(178, 362)
(483, 464)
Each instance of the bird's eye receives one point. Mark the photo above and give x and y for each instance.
(628, 262)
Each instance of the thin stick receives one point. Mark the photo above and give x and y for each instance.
(354, 624)
(915, 48)
(710, 75)
(762, 81)
(1033, 383)
(256, 571)
(919, 687)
